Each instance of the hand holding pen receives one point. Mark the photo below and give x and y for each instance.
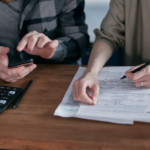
(140, 75)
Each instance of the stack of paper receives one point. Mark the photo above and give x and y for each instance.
(119, 100)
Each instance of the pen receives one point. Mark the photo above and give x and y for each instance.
(22, 94)
(138, 69)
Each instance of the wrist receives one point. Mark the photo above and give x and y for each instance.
(92, 71)
(94, 67)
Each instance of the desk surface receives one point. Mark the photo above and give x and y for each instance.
(32, 125)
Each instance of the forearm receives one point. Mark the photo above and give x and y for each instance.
(100, 54)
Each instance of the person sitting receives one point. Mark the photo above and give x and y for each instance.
(125, 25)
(51, 31)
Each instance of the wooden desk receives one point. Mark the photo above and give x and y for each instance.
(32, 125)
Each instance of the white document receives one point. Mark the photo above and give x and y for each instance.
(118, 99)
(69, 108)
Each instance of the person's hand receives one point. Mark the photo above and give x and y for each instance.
(35, 43)
(89, 80)
(141, 78)
(11, 74)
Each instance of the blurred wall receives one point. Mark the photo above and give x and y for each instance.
(95, 11)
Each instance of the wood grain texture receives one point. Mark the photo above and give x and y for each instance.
(32, 125)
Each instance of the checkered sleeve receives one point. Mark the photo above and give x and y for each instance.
(71, 32)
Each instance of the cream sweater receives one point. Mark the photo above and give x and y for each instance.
(127, 24)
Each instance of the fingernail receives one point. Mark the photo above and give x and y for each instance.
(34, 66)
(95, 100)
(19, 48)
(54, 43)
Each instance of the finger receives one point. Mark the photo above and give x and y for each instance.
(2, 76)
(45, 53)
(26, 71)
(4, 59)
(12, 72)
(7, 78)
(137, 75)
(133, 68)
(145, 83)
(11, 80)
(48, 51)
(33, 40)
(86, 99)
(4, 50)
(18, 74)
(80, 92)
(130, 79)
(43, 41)
(10, 75)
(23, 43)
(74, 97)
(23, 73)
(82, 96)
(74, 91)
(95, 91)
(144, 78)
(88, 94)
(53, 44)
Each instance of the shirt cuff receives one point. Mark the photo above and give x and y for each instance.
(60, 52)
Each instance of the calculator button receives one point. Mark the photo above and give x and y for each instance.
(9, 95)
(5, 98)
(12, 92)
(2, 94)
(3, 102)
(5, 91)
(14, 89)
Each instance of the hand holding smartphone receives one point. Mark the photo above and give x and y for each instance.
(10, 70)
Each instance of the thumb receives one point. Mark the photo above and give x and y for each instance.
(95, 93)
(3, 50)
(53, 44)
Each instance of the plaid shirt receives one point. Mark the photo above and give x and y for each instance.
(58, 19)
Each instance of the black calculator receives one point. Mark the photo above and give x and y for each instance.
(7, 96)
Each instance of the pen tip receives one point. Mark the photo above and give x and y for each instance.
(14, 107)
(123, 77)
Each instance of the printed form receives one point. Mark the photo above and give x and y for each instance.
(119, 100)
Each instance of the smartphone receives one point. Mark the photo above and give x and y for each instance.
(27, 62)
